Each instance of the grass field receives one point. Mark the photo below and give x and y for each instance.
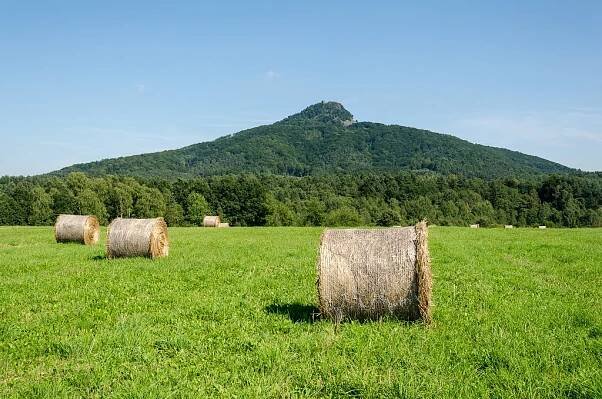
(518, 313)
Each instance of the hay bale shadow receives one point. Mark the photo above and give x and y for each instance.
(296, 312)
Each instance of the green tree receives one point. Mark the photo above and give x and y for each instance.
(571, 212)
(389, 217)
(63, 200)
(77, 182)
(279, 214)
(484, 214)
(198, 208)
(7, 210)
(375, 199)
(314, 212)
(149, 203)
(174, 214)
(88, 203)
(41, 207)
(344, 216)
(120, 201)
(419, 209)
(242, 198)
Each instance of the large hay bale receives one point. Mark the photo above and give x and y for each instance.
(137, 237)
(223, 225)
(368, 274)
(211, 221)
(77, 228)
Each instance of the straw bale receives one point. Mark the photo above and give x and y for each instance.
(77, 228)
(372, 273)
(211, 221)
(137, 237)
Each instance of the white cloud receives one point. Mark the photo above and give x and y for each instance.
(272, 75)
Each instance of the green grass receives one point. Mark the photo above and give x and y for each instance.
(518, 313)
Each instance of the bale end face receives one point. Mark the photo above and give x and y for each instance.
(424, 272)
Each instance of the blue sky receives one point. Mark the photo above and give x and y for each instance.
(82, 81)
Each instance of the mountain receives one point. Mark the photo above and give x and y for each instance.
(324, 138)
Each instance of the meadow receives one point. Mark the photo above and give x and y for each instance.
(231, 313)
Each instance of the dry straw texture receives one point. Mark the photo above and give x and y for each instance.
(137, 237)
(369, 274)
(211, 221)
(77, 228)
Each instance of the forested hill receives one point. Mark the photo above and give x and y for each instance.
(324, 139)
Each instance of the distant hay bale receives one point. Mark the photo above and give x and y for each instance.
(223, 225)
(542, 227)
(508, 226)
(368, 274)
(211, 221)
(137, 237)
(77, 228)
(474, 226)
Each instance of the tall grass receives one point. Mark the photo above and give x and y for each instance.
(230, 313)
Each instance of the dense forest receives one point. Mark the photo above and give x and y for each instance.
(336, 200)
(321, 140)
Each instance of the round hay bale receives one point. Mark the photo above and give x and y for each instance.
(368, 274)
(77, 228)
(137, 237)
(223, 225)
(211, 221)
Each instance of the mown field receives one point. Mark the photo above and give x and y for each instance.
(518, 313)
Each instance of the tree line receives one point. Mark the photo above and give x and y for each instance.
(368, 199)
